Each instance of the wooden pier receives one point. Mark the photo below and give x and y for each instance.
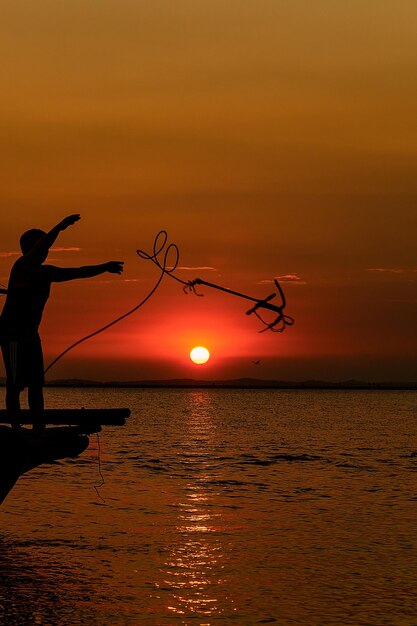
(23, 449)
(69, 417)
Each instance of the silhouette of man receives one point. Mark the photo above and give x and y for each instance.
(27, 293)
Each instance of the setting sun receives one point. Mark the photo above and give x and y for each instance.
(199, 355)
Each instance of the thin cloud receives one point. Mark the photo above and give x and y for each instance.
(387, 270)
(393, 270)
(65, 249)
(290, 278)
(197, 268)
(285, 278)
(119, 280)
(9, 254)
(18, 253)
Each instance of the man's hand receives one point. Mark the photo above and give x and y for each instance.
(114, 267)
(68, 221)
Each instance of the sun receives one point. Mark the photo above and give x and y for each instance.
(199, 355)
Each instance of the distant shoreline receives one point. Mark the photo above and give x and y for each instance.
(239, 383)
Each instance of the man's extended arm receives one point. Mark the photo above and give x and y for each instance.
(41, 248)
(62, 274)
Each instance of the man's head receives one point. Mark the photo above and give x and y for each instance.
(30, 238)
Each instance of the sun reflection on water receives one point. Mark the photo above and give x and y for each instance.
(194, 566)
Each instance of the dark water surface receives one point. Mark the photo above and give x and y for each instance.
(222, 507)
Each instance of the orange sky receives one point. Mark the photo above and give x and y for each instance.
(269, 138)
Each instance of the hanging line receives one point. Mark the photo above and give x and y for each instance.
(102, 481)
(160, 258)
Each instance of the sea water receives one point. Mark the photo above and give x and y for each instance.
(221, 507)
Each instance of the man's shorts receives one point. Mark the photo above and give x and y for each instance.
(23, 360)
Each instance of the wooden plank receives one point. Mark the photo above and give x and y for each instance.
(74, 417)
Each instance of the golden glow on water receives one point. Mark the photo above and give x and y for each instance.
(194, 564)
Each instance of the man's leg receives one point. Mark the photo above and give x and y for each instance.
(9, 350)
(35, 377)
(35, 398)
(36, 402)
(13, 404)
(12, 398)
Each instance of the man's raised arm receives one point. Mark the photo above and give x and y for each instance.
(62, 274)
(41, 247)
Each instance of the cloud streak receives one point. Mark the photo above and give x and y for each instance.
(285, 278)
(12, 253)
(196, 268)
(119, 281)
(391, 270)
(66, 249)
